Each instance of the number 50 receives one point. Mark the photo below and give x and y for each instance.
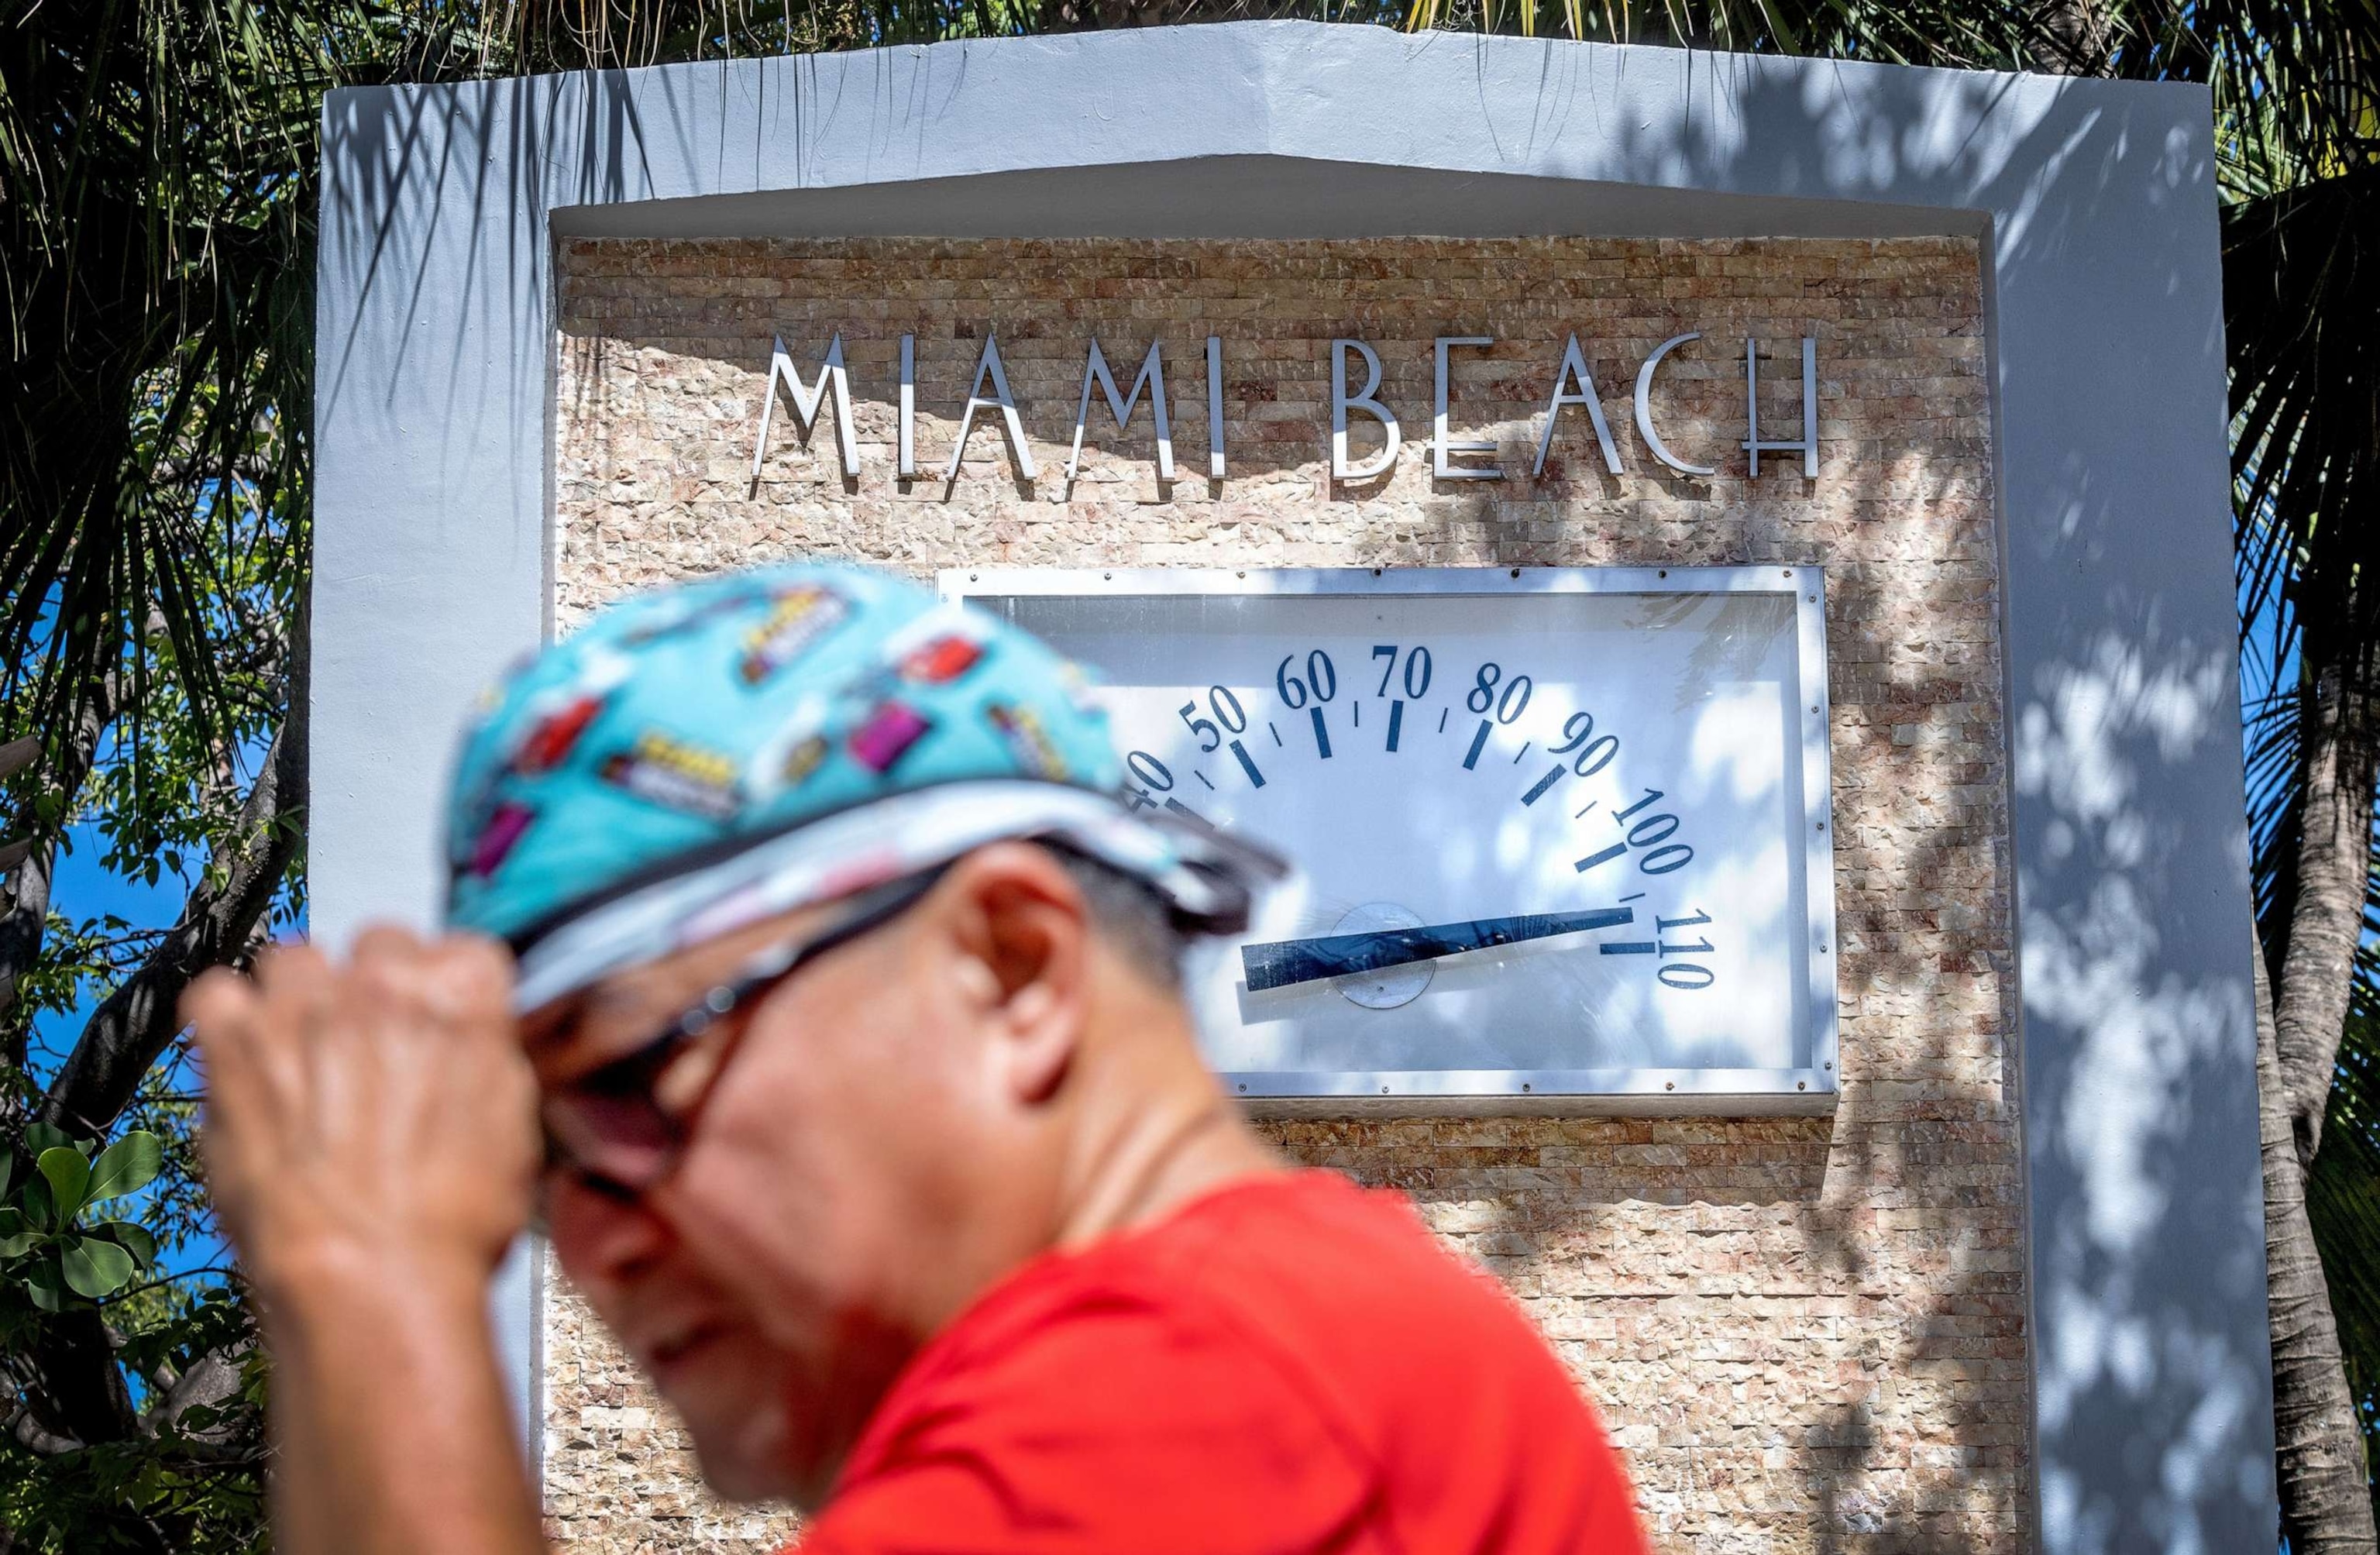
(1219, 698)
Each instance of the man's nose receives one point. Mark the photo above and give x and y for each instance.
(601, 1234)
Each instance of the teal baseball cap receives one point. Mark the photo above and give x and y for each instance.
(703, 756)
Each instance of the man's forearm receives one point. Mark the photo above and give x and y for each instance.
(389, 1413)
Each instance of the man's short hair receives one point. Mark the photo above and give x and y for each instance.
(1129, 915)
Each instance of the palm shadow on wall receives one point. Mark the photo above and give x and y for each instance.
(2136, 1019)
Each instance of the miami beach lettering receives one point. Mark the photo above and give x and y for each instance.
(1574, 386)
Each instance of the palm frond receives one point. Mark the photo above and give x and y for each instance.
(2301, 305)
(146, 270)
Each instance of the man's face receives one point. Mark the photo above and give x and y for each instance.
(763, 1284)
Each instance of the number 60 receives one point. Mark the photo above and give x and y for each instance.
(1319, 670)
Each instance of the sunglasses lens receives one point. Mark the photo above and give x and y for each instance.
(621, 1139)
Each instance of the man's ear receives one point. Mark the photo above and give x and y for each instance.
(1022, 931)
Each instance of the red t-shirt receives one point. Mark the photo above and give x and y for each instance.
(1287, 1365)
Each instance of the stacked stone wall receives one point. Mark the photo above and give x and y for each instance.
(1806, 1334)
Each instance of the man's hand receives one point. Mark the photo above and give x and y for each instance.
(371, 1147)
(378, 1115)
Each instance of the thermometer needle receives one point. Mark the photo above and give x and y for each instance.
(1279, 963)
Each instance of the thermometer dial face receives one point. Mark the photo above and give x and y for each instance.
(1557, 832)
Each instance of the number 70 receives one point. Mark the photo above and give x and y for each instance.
(1416, 669)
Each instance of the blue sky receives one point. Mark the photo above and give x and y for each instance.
(83, 888)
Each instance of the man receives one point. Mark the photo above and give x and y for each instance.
(800, 912)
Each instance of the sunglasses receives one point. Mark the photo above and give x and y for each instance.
(608, 1129)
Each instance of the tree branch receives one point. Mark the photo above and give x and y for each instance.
(128, 1291)
(29, 902)
(82, 1386)
(2071, 38)
(134, 1024)
(211, 1378)
(82, 1394)
(30, 1437)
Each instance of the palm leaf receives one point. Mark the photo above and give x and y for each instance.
(2302, 302)
(159, 155)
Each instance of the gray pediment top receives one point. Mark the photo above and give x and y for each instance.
(1361, 97)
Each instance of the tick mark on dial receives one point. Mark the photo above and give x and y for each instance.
(1604, 856)
(1178, 808)
(1633, 896)
(1442, 718)
(1322, 735)
(1203, 778)
(1256, 778)
(1276, 733)
(1538, 791)
(1523, 751)
(1396, 722)
(1590, 805)
(1478, 742)
(1355, 713)
(1627, 947)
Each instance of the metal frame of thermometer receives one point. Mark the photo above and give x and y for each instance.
(1385, 950)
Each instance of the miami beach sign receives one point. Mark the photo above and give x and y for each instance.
(1573, 385)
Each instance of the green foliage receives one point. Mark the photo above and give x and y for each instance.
(155, 272)
(109, 1233)
(155, 332)
(155, 269)
(196, 1486)
(50, 1248)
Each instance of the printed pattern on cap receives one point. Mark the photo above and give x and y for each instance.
(740, 706)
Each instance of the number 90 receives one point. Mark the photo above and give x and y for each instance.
(1595, 753)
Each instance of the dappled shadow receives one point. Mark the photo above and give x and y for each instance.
(1785, 1318)
(2093, 204)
